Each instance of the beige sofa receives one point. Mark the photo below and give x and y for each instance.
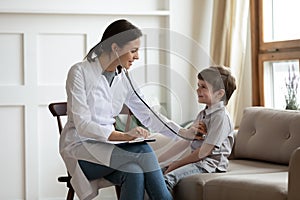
(264, 165)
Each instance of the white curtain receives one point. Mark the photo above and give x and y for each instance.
(230, 46)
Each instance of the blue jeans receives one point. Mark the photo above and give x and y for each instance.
(173, 177)
(135, 168)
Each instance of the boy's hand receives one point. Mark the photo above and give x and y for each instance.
(201, 127)
(201, 130)
(172, 166)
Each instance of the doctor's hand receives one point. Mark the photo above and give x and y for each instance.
(138, 132)
(196, 131)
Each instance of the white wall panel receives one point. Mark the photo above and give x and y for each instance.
(12, 147)
(11, 59)
(50, 163)
(55, 54)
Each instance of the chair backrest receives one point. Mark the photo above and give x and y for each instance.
(59, 109)
(126, 111)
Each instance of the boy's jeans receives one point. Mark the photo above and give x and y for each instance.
(173, 177)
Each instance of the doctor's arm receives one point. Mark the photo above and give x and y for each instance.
(129, 135)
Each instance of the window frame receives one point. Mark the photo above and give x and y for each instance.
(266, 51)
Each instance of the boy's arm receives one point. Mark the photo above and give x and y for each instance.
(177, 148)
(195, 156)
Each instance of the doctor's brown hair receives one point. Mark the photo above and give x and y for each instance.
(120, 32)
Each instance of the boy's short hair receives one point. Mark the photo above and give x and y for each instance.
(219, 77)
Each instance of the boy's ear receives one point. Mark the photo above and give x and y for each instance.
(221, 93)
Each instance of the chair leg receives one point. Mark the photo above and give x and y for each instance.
(118, 191)
(70, 195)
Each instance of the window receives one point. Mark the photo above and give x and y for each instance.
(275, 51)
(279, 75)
(280, 20)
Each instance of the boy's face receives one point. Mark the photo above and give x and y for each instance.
(206, 94)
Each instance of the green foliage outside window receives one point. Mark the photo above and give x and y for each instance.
(292, 88)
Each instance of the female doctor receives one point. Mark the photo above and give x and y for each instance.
(96, 90)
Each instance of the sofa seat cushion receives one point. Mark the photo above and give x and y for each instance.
(193, 185)
(248, 187)
(254, 167)
(191, 188)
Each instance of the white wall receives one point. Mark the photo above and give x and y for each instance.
(190, 22)
(40, 40)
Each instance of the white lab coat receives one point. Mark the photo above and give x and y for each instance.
(92, 106)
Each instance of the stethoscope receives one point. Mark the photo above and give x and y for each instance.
(142, 100)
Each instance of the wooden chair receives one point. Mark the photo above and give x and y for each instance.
(59, 109)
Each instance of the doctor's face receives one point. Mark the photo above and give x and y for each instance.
(129, 53)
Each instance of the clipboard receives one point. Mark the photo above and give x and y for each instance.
(137, 140)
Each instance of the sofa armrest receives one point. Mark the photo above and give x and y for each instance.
(231, 157)
(294, 175)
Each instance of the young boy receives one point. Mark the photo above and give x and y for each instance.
(215, 87)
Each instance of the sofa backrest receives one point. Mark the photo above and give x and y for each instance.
(268, 135)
